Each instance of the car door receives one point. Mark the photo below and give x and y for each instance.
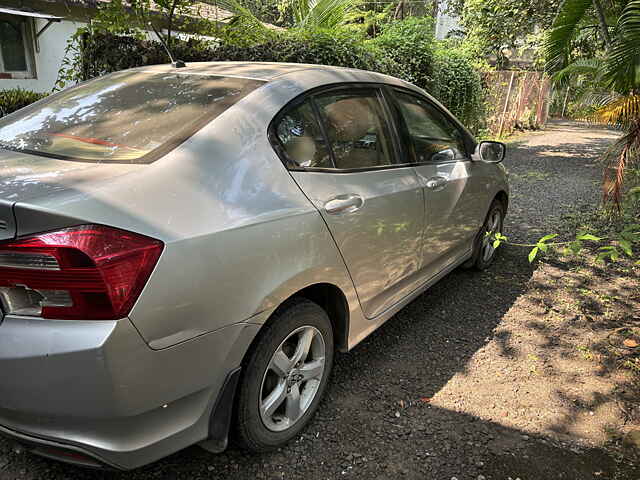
(342, 151)
(453, 196)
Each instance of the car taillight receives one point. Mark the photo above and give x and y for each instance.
(89, 272)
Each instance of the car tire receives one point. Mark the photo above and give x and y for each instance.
(269, 377)
(483, 251)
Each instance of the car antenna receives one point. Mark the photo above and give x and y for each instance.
(174, 62)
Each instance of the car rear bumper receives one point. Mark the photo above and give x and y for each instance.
(95, 388)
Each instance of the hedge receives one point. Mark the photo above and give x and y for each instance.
(102, 53)
(405, 49)
(459, 87)
(16, 98)
(409, 46)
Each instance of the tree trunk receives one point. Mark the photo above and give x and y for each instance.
(170, 22)
(604, 28)
(396, 14)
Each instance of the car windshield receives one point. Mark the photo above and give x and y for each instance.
(130, 117)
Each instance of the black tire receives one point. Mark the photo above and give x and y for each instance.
(478, 260)
(251, 433)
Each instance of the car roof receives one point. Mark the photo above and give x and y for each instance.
(265, 71)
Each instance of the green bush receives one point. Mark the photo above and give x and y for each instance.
(16, 98)
(408, 45)
(99, 53)
(447, 74)
(318, 47)
(405, 49)
(102, 53)
(458, 85)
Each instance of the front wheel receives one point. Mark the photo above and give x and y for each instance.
(284, 377)
(484, 251)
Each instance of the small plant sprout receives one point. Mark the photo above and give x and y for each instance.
(617, 245)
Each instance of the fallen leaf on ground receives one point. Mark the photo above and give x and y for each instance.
(629, 342)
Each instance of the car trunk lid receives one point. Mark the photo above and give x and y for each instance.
(26, 177)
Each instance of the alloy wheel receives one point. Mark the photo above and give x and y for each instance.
(492, 226)
(292, 378)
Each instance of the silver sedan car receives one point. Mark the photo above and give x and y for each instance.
(183, 250)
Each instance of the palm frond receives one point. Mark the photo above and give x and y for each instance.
(618, 162)
(622, 70)
(558, 40)
(235, 7)
(321, 13)
(624, 112)
(596, 98)
(592, 67)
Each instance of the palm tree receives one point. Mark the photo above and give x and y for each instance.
(614, 78)
(307, 14)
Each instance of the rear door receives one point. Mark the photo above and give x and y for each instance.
(342, 151)
(453, 194)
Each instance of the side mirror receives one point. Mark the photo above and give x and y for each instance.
(491, 152)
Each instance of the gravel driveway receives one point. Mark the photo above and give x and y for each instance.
(393, 410)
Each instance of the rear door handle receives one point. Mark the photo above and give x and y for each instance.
(436, 183)
(344, 204)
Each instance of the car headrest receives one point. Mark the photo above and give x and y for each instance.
(349, 119)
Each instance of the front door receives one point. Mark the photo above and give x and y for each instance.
(453, 195)
(345, 155)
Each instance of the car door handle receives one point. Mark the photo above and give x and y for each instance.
(343, 204)
(436, 183)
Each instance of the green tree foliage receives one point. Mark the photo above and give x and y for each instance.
(133, 17)
(300, 14)
(614, 75)
(445, 72)
(458, 85)
(409, 44)
(495, 25)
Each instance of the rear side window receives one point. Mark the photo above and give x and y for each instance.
(130, 117)
(432, 137)
(301, 138)
(356, 128)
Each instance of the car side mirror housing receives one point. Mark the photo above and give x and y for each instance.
(490, 151)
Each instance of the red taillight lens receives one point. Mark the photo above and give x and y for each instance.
(87, 272)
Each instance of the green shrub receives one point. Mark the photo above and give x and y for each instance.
(92, 54)
(458, 85)
(447, 74)
(408, 45)
(405, 49)
(102, 53)
(16, 98)
(318, 47)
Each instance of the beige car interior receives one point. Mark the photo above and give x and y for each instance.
(356, 133)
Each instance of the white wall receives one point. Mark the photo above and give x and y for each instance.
(445, 23)
(53, 43)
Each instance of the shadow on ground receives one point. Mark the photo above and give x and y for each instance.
(379, 419)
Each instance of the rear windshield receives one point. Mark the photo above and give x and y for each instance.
(124, 117)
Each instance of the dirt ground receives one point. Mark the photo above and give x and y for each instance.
(513, 373)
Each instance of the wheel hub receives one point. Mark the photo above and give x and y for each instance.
(294, 378)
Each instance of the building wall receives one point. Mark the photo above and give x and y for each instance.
(53, 43)
(444, 22)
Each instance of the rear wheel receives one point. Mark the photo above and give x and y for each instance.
(484, 251)
(284, 377)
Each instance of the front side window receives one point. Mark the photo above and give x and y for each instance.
(356, 128)
(14, 46)
(130, 116)
(301, 138)
(432, 137)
